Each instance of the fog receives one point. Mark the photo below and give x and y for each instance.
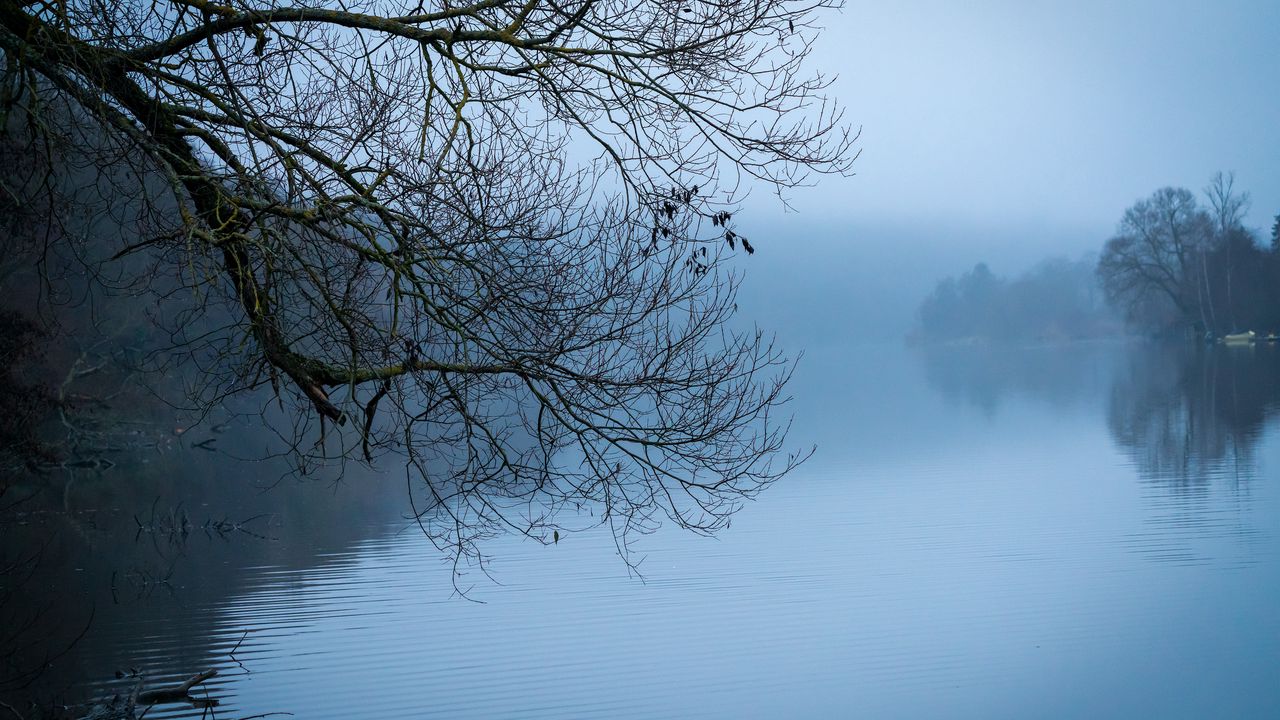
(871, 277)
(1031, 492)
(1009, 132)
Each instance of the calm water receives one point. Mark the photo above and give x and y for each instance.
(1083, 532)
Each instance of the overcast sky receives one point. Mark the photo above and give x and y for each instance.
(1009, 131)
(1058, 113)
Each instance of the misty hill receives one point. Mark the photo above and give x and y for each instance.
(1057, 300)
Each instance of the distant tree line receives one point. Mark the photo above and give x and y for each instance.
(1176, 265)
(1059, 299)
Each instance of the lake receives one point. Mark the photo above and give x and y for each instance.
(1055, 532)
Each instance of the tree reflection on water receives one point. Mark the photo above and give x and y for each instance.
(1186, 415)
(1182, 414)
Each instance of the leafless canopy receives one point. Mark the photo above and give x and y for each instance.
(490, 237)
(1154, 255)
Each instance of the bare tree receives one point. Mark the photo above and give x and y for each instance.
(1227, 205)
(1228, 211)
(490, 238)
(1149, 266)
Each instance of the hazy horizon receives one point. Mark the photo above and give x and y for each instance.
(1009, 134)
(314, 335)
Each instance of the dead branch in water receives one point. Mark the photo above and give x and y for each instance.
(175, 693)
